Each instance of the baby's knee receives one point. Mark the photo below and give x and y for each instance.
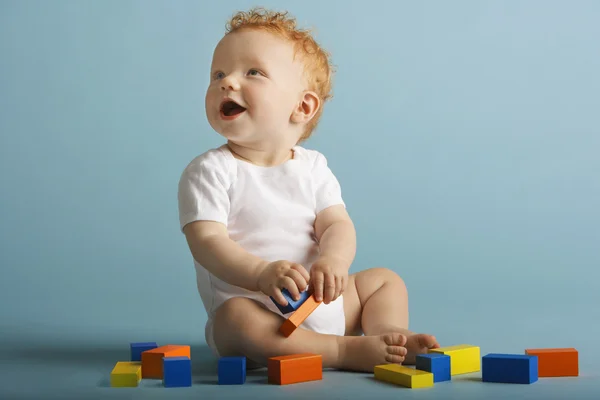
(240, 324)
(389, 276)
(235, 311)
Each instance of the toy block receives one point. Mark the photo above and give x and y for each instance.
(464, 358)
(556, 362)
(403, 376)
(292, 304)
(509, 368)
(152, 360)
(297, 318)
(177, 372)
(232, 370)
(126, 374)
(436, 363)
(138, 348)
(295, 368)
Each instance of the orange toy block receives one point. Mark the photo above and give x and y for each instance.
(295, 368)
(556, 362)
(298, 317)
(152, 360)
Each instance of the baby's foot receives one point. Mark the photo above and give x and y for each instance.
(363, 353)
(419, 343)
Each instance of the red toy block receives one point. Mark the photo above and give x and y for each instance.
(298, 317)
(152, 360)
(296, 368)
(556, 362)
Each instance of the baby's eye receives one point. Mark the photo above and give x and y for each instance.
(218, 75)
(254, 72)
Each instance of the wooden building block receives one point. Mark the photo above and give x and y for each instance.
(232, 371)
(152, 360)
(404, 376)
(509, 368)
(296, 368)
(436, 363)
(137, 348)
(464, 358)
(298, 317)
(126, 374)
(292, 304)
(556, 362)
(177, 372)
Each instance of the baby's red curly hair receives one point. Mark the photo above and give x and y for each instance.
(317, 65)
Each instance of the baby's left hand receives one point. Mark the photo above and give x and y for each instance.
(328, 279)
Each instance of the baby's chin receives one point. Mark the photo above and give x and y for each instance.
(237, 138)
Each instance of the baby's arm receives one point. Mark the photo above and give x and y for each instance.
(211, 246)
(335, 232)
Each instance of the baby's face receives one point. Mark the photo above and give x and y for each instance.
(255, 86)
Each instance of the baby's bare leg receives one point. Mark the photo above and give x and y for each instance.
(244, 328)
(376, 302)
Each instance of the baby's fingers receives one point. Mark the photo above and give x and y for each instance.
(290, 285)
(317, 285)
(329, 288)
(301, 270)
(339, 287)
(299, 280)
(279, 297)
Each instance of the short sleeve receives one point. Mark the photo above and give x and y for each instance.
(203, 192)
(327, 188)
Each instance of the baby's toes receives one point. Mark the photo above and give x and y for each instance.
(396, 350)
(429, 341)
(395, 339)
(395, 354)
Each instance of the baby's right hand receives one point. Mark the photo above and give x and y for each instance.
(283, 274)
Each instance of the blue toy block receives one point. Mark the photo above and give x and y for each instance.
(292, 304)
(509, 368)
(436, 363)
(177, 372)
(138, 348)
(232, 370)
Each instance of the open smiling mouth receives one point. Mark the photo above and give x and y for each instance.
(230, 110)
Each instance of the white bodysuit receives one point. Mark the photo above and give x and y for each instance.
(269, 211)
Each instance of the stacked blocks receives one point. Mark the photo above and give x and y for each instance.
(509, 368)
(126, 374)
(404, 376)
(464, 358)
(177, 372)
(171, 363)
(292, 304)
(152, 360)
(436, 363)
(137, 349)
(297, 318)
(296, 368)
(232, 370)
(556, 362)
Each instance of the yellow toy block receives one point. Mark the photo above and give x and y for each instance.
(126, 374)
(404, 376)
(464, 358)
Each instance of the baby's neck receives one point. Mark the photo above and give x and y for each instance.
(260, 157)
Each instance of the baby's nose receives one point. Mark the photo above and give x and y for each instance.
(230, 83)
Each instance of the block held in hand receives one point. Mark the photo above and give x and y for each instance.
(292, 304)
(299, 316)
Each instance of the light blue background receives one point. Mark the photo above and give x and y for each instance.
(465, 135)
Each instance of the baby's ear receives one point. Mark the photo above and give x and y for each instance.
(306, 108)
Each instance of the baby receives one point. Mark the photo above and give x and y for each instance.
(261, 213)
